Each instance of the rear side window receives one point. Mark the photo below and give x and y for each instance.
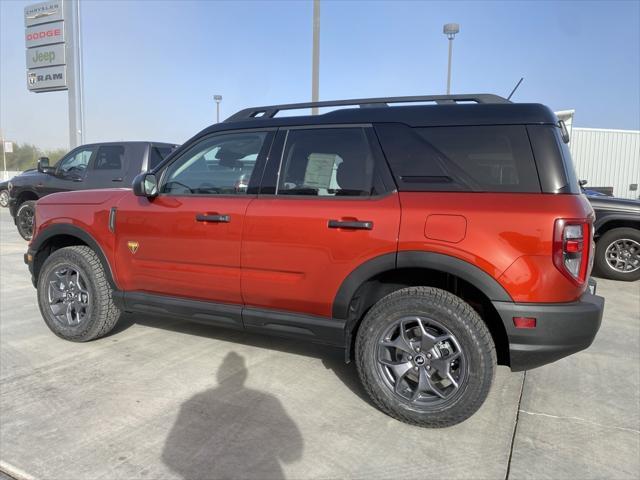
(157, 155)
(470, 158)
(326, 162)
(110, 157)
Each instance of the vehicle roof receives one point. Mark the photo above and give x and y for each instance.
(128, 142)
(414, 115)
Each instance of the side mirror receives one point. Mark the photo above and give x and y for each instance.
(43, 165)
(564, 132)
(145, 185)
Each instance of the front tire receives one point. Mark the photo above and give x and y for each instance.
(4, 198)
(425, 357)
(618, 254)
(25, 219)
(74, 295)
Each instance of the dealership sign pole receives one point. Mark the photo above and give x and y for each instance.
(52, 38)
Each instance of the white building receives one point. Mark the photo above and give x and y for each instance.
(606, 158)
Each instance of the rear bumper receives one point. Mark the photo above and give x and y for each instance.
(561, 329)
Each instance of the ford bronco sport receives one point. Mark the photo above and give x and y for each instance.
(432, 242)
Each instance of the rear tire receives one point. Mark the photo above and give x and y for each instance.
(74, 295)
(616, 250)
(25, 219)
(435, 374)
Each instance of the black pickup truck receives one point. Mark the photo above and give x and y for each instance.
(617, 236)
(97, 165)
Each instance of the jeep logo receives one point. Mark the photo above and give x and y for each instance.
(44, 57)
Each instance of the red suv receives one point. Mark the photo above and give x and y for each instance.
(432, 242)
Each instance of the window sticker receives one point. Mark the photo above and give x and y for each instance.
(320, 168)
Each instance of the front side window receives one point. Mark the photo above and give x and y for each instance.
(326, 162)
(110, 157)
(76, 163)
(220, 165)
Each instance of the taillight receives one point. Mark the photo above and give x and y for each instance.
(572, 248)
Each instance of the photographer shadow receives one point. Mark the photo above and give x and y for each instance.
(231, 431)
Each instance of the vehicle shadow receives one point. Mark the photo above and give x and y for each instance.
(210, 438)
(332, 358)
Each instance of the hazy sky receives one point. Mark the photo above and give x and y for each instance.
(151, 68)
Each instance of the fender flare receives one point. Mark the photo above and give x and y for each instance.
(73, 231)
(415, 259)
(27, 191)
(603, 217)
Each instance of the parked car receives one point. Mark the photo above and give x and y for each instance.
(97, 165)
(4, 189)
(617, 236)
(431, 242)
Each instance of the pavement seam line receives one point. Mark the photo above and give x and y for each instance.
(14, 472)
(515, 427)
(559, 417)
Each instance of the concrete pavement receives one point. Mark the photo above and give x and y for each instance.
(166, 399)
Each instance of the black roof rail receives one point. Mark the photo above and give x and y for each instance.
(271, 111)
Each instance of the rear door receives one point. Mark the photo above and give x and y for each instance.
(107, 168)
(323, 210)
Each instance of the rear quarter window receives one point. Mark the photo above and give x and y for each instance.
(469, 158)
(109, 157)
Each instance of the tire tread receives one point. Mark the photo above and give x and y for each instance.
(107, 313)
(478, 330)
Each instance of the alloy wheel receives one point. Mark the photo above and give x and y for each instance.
(623, 255)
(421, 361)
(25, 220)
(68, 295)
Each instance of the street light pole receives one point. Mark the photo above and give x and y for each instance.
(218, 99)
(450, 30)
(315, 60)
(80, 66)
(74, 71)
(4, 155)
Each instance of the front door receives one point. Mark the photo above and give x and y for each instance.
(70, 172)
(331, 207)
(186, 241)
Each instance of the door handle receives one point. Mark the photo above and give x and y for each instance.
(119, 179)
(213, 218)
(351, 224)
